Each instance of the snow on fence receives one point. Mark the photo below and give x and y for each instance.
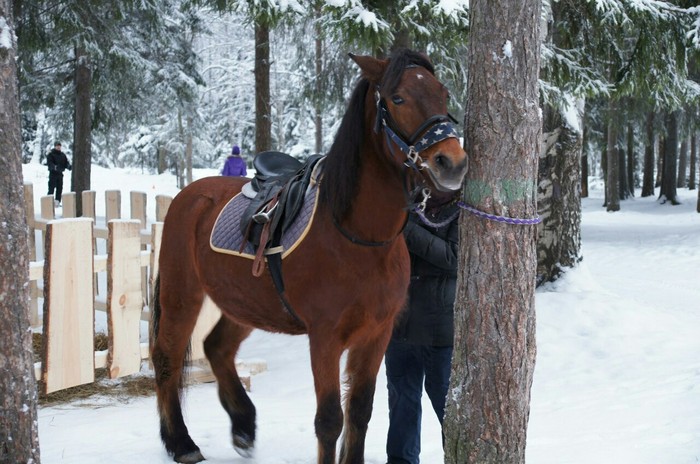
(68, 280)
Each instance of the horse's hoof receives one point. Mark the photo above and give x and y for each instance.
(243, 445)
(190, 458)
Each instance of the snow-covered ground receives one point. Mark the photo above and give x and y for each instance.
(617, 378)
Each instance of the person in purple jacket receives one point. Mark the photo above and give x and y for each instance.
(235, 165)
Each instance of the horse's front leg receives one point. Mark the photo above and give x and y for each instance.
(325, 364)
(364, 360)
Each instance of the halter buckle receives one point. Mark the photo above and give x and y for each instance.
(413, 159)
(423, 203)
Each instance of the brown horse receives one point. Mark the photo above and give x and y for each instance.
(346, 281)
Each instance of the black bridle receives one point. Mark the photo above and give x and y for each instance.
(433, 130)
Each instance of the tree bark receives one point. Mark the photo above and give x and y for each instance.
(693, 161)
(670, 156)
(649, 163)
(558, 200)
(263, 116)
(682, 164)
(632, 182)
(318, 87)
(494, 353)
(612, 166)
(19, 438)
(188, 150)
(622, 171)
(82, 127)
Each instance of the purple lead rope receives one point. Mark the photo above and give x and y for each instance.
(493, 217)
(471, 209)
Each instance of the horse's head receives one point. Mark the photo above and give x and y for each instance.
(411, 110)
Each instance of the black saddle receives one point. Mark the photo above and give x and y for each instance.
(280, 184)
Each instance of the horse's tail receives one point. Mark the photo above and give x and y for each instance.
(155, 326)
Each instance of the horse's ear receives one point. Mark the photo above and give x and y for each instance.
(372, 68)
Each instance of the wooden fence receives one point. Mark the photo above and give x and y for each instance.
(68, 280)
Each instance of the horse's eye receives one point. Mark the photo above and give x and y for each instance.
(397, 100)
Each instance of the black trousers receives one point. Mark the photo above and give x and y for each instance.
(56, 183)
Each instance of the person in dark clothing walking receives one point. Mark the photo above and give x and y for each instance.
(57, 161)
(420, 350)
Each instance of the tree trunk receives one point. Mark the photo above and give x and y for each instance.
(693, 161)
(318, 87)
(682, 164)
(649, 164)
(670, 155)
(622, 171)
(263, 117)
(612, 167)
(494, 353)
(162, 159)
(659, 161)
(19, 438)
(188, 150)
(558, 200)
(82, 127)
(584, 162)
(631, 162)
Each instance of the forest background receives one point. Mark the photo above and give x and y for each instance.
(173, 84)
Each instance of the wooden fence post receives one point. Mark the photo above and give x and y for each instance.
(162, 205)
(69, 206)
(69, 316)
(31, 235)
(124, 298)
(113, 205)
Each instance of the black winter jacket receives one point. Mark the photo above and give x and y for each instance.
(428, 317)
(57, 161)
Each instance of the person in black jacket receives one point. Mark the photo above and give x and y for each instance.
(57, 161)
(420, 350)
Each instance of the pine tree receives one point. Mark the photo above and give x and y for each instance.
(493, 361)
(19, 440)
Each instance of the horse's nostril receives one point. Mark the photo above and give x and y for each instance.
(442, 161)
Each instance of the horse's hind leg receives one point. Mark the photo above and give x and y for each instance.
(220, 347)
(175, 315)
(364, 360)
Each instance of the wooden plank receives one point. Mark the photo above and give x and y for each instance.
(138, 207)
(124, 298)
(113, 204)
(208, 317)
(47, 208)
(34, 320)
(162, 206)
(69, 319)
(156, 234)
(138, 212)
(88, 197)
(88, 210)
(36, 270)
(29, 214)
(68, 203)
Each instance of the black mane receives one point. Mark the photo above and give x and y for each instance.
(342, 164)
